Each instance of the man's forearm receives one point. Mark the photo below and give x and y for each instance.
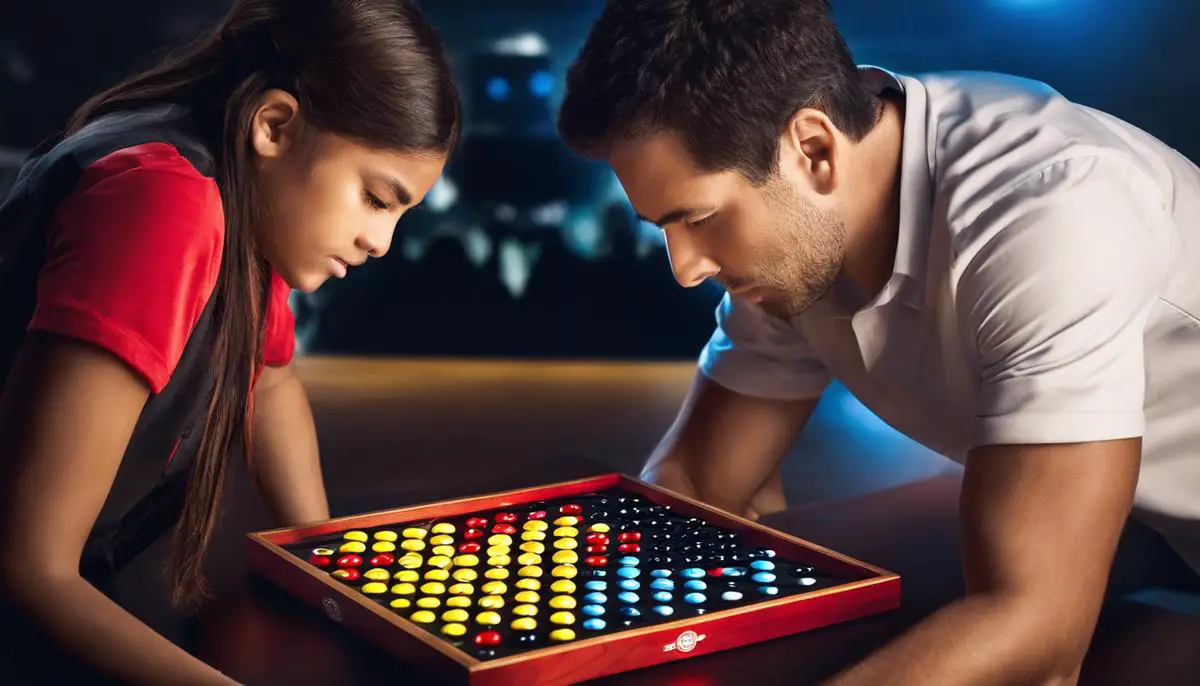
(286, 465)
(978, 640)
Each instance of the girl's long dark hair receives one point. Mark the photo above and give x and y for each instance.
(371, 70)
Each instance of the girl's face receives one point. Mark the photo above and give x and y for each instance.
(331, 202)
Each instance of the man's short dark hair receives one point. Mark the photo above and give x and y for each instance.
(726, 76)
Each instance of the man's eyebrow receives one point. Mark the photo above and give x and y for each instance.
(676, 214)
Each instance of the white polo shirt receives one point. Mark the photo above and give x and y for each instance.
(1046, 289)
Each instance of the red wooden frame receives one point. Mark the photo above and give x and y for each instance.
(871, 590)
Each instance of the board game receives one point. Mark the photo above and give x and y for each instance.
(565, 582)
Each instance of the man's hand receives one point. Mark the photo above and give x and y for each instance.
(286, 465)
(1040, 530)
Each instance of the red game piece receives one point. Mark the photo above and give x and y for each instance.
(471, 547)
(319, 560)
(629, 548)
(571, 509)
(476, 523)
(540, 514)
(382, 560)
(350, 560)
(629, 537)
(716, 572)
(488, 638)
(504, 529)
(350, 575)
(601, 549)
(597, 539)
(596, 561)
(473, 533)
(506, 517)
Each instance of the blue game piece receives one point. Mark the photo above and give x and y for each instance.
(629, 584)
(661, 573)
(694, 598)
(664, 610)
(631, 612)
(595, 597)
(763, 577)
(695, 585)
(806, 581)
(627, 597)
(598, 573)
(628, 572)
(693, 573)
(629, 561)
(763, 565)
(593, 624)
(661, 596)
(596, 585)
(592, 610)
(733, 571)
(731, 595)
(662, 584)
(768, 590)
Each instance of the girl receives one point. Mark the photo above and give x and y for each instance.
(145, 262)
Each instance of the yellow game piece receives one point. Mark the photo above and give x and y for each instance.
(563, 586)
(423, 617)
(499, 561)
(441, 539)
(488, 618)
(433, 588)
(439, 561)
(566, 557)
(527, 597)
(410, 561)
(564, 572)
(567, 520)
(529, 584)
(374, 588)
(340, 574)
(406, 575)
(444, 550)
(491, 602)
(533, 536)
(498, 550)
(404, 589)
(385, 535)
(494, 588)
(377, 574)
(465, 575)
(414, 532)
(562, 618)
(384, 547)
(353, 547)
(412, 544)
(436, 574)
(562, 635)
(562, 602)
(359, 536)
(525, 610)
(466, 561)
(599, 528)
(455, 616)
(443, 528)
(529, 559)
(530, 571)
(454, 629)
(429, 603)
(401, 603)
(566, 532)
(458, 601)
(533, 547)
(566, 544)
(497, 573)
(535, 525)
(524, 624)
(499, 539)
(325, 552)
(461, 589)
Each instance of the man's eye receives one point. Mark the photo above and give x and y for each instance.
(703, 220)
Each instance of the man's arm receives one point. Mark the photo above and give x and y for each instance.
(286, 465)
(724, 447)
(1040, 529)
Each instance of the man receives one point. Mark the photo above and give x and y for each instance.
(1010, 278)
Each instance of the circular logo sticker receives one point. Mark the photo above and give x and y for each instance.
(332, 609)
(687, 641)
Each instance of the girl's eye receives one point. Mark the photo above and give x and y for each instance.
(374, 201)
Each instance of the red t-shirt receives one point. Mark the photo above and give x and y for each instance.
(132, 258)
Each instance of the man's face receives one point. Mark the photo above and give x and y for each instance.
(768, 244)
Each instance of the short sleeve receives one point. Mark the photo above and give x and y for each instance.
(279, 339)
(758, 355)
(1058, 300)
(132, 256)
